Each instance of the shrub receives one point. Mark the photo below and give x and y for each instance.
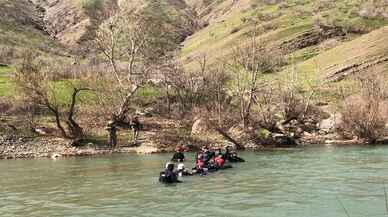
(92, 5)
(365, 115)
(7, 54)
(363, 118)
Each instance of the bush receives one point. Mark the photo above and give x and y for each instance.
(365, 115)
(92, 5)
(363, 118)
(7, 54)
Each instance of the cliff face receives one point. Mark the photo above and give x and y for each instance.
(64, 20)
(72, 21)
(22, 12)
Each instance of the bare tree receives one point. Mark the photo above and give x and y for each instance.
(133, 42)
(267, 108)
(36, 82)
(248, 62)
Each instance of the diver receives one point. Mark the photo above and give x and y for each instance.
(169, 175)
(232, 156)
(207, 155)
(218, 152)
(179, 156)
(182, 171)
(200, 164)
(220, 161)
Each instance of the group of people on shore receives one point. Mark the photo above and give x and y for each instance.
(206, 160)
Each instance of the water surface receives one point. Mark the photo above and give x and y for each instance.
(304, 182)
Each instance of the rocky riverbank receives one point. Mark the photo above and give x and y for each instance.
(162, 135)
(12, 147)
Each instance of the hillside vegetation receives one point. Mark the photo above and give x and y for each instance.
(280, 21)
(251, 72)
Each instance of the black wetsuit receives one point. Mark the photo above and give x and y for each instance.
(232, 157)
(178, 156)
(208, 155)
(168, 176)
(227, 155)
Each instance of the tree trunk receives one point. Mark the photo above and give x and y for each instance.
(168, 100)
(219, 106)
(55, 111)
(229, 138)
(59, 125)
(119, 118)
(124, 108)
(76, 130)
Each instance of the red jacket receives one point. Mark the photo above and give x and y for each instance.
(220, 161)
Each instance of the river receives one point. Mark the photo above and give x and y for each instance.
(319, 181)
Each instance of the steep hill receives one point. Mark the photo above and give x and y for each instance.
(72, 22)
(22, 27)
(368, 53)
(300, 28)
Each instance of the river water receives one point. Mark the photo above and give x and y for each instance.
(319, 181)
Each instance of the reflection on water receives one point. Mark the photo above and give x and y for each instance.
(303, 182)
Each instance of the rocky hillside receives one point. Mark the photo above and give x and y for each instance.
(71, 22)
(65, 21)
(304, 24)
(22, 27)
(302, 29)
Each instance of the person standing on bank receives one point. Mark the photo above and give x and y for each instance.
(136, 127)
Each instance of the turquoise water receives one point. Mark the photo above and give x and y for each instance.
(305, 182)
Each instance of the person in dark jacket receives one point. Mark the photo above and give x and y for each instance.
(207, 154)
(136, 127)
(169, 175)
(179, 156)
(232, 156)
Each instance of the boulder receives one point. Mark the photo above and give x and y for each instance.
(199, 127)
(328, 125)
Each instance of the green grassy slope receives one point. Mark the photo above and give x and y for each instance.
(21, 37)
(21, 29)
(326, 66)
(7, 87)
(365, 50)
(331, 72)
(276, 22)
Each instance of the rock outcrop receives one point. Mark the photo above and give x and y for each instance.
(22, 12)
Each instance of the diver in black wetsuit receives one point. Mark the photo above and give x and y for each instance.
(169, 175)
(231, 156)
(179, 156)
(207, 155)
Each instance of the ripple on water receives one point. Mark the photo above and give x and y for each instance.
(303, 183)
